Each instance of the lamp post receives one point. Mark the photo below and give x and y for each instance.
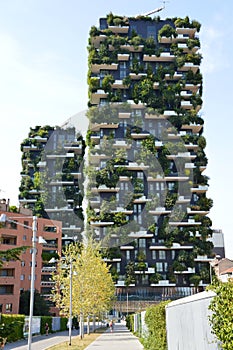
(34, 233)
(71, 288)
(4, 218)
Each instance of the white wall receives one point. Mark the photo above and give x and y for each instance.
(188, 327)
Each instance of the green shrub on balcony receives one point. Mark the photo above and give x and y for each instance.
(167, 31)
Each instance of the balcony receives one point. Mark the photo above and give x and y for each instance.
(203, 258)
(142, 199)
(39, 139)
(127, 247)
(121, 144)
(175, 246)
(189, 65)
(186, 105)
(186, 94)
(132, 48)
(123, 56)
(141, 234)
(48, 269)
(96, 40)
(138, 76)
(183, 200)
(95, 139)
(186, 31)
(122, 210)
(118, 84)
(185, 48)
(197, 212)
(192, 87)
(97, 126)
(163, 283)
(27, 201)
(196, 128)
(95, 202)
(199, 189)
(191, 146)
(188, 271)
(101, 223)
(182, 37)
(190, 222)
(96, 96)
(30, 148)
(167, 40)
(134, 166)
(124, 115)
(47, 283)
(75, 148)
(160, 211)
(61, 183)
(176, 76)
(119, 29)
(164, 57)
(95, 68)
(181, 155)
(154, 116)
(140, 135)
(57, 156)
(76, 175)
(104, 188)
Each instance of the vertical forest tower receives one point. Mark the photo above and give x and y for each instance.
(146, 194)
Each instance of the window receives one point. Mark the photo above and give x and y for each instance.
(1, 305)
(7, 272)
(162, 254)
(24, 237)
(8, 307)
(9, 240)
(127, 255)
(142, 243)
(151, 32)
(22, 277)
(22, 263)
(159, 267)
(153, 254)
(26, 224)
(9, 289)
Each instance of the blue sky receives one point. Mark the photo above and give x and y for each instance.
(43, 68)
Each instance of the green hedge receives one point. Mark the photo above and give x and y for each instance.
(130, 322)
(44, 320)
(63, 324)
(11, 327)
(156, 323)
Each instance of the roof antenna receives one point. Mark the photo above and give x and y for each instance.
(155, 10)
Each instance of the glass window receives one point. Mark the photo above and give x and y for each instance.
(159, 266)
(8, 307)
(22, 277)
(162, 254)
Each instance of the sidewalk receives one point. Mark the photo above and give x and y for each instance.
(40, 342)
(120, 339)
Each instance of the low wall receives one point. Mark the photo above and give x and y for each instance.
(187, 322)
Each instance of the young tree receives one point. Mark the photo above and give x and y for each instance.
(41, 308)
(92, 284)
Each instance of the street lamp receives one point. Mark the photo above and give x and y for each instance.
(4, 218)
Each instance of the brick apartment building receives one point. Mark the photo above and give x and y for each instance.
(15, 276)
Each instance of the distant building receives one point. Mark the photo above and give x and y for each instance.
(15, 276)
(223, 268)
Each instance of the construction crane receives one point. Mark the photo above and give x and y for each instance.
(155, 10)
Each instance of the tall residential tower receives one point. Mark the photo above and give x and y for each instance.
(147, 199)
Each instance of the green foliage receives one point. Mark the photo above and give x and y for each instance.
(11, 327)
(222, 317)
(130, 322)
(44, 320)
(11, 254)
(156, 323)
(41, 308)
(63, 323)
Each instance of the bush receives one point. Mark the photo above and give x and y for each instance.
(130, 322)
(11, 327)
(44, 320)
(156, 322)
(63, 324)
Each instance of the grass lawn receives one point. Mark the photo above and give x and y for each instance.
(77, 343)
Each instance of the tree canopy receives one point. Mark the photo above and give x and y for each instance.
(92, 285)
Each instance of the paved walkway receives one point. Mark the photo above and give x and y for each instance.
(40, 342)
(120, 339)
